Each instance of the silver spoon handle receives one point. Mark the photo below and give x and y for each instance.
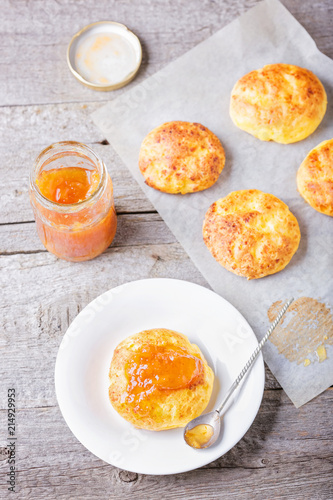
(254, 355)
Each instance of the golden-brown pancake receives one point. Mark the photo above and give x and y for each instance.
(159, 380)
(181, 157)
(280, 102)
(251, 233)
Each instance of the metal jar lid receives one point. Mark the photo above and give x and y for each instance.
(105, 55)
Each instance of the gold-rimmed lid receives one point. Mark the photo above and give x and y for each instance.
(104, 55)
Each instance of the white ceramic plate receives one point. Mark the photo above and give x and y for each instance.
(81, 372)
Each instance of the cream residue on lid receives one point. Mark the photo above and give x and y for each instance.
(105, 58)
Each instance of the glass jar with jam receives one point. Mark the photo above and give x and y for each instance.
(72, 198)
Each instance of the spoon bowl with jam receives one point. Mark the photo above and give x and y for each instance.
(203, 431)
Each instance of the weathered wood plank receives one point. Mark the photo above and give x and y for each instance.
(277, 458)
(35, 35)
(44, 75)
(36, 127)
(132, 230)
(46, 293)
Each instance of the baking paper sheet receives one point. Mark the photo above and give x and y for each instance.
(196, 87)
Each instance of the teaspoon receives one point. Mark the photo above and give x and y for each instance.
(203, 431)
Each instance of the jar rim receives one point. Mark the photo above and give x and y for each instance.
(72, 146)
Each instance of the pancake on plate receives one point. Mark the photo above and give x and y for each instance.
(280, 102)
(159, 380)
(315, 178)
(181, 157)
(251, 233)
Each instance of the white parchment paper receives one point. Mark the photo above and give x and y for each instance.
(196, 87)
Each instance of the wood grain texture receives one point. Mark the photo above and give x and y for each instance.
(277, 458)
(27, 130)
(132, 230)
(36, 33)
(287, 453)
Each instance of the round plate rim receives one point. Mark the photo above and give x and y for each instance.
(218, 455)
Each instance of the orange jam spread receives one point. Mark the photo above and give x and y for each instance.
(199, 436)
(160, 368)
(68, 184)
(85, 225)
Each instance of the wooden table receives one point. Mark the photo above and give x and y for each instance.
(287, 453)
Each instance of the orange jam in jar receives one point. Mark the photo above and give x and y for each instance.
(160, 368)
(72, 198)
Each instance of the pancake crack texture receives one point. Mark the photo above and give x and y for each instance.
(279, 102)
(315, 178)
(181, 157)
(251, 233)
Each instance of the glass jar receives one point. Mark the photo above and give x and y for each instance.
(73, 231)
